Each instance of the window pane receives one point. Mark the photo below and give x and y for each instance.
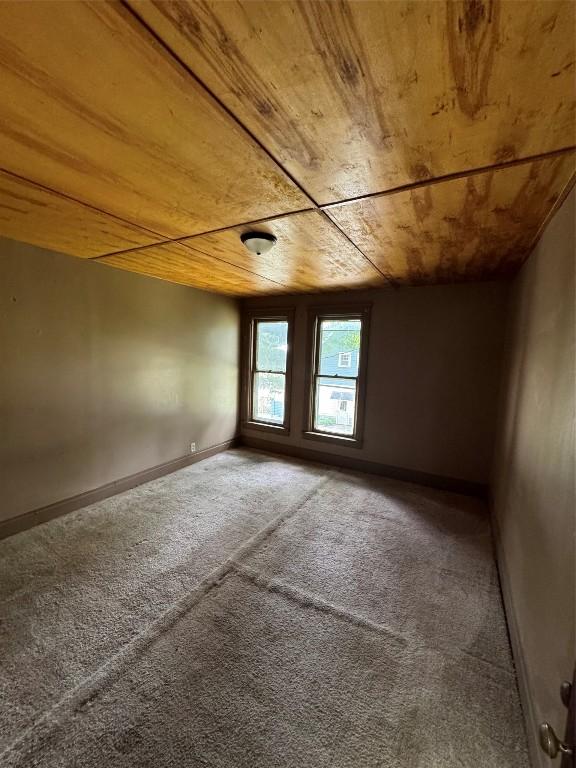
(335, 406)
(268, 397)
(339, 347)
(271, 345)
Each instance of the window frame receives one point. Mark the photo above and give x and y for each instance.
(251, 320)
(315, 316)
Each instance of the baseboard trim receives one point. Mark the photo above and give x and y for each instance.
(44, 514)
(466, 487)
(530, 722)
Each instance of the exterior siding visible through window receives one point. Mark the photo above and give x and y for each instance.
(337, 375)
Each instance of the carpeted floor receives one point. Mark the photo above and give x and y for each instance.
(257, 612)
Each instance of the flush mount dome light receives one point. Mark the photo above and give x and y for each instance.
(258, 242)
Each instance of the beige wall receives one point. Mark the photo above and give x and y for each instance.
(103, 374)
(433, 377)
(534, 494)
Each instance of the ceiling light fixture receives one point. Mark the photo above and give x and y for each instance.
(258, 242)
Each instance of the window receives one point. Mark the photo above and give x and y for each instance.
(336, 377)
(267, 383)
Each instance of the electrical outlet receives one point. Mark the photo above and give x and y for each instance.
(192, 447)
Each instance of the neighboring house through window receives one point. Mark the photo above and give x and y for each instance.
(344, 359)
(336, 378)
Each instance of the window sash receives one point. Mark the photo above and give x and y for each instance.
(254, 417)
(256, 324)
(315, 397)
(253, 370)
(314, 394)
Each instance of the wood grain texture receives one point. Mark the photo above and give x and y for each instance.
(356, 97)
(93, 106)
(41, 217)
(178, 263)
(310, 255)
(475, 228)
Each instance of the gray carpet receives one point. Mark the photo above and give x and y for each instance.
(253, 612)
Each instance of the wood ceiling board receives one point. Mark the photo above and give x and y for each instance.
(41, 217)
(178, 264)
(91, 105)
(311, 254)
(355, 98)
(473, 228)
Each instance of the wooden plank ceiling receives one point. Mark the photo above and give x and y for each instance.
(382, 143)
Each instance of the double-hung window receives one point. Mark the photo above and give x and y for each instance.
(268, 379)
(337, 374)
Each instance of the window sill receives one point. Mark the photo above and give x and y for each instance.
(277, 429)
(325, 437)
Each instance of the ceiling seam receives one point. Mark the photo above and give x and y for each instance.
(227, 228)
(220, 103)
(184, 241)
(191, 250)
(276, 218)
(243, 127)
(451, 177)
(361, 252)
(90, 206)
(553, 210)
(321, 208)
(236, 266)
